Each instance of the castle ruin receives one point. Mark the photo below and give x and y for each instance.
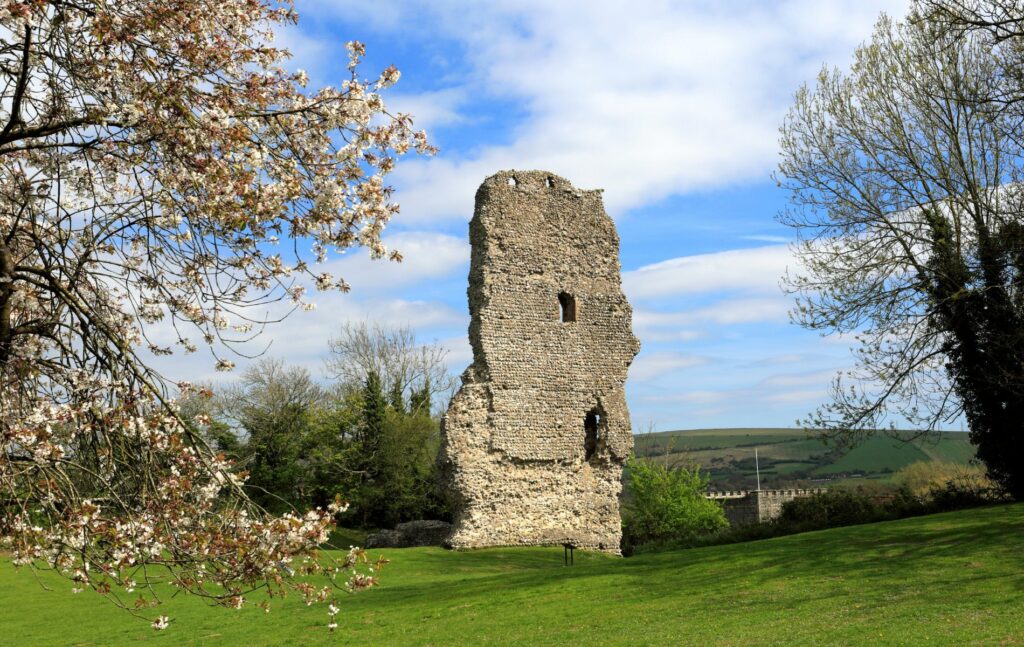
(745, 507)
(535, 439)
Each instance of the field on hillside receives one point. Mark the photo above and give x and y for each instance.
(792, 458)
(952, 579)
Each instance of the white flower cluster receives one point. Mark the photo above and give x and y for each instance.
(156, 212)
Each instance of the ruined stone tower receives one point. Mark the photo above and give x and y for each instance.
(535, 440)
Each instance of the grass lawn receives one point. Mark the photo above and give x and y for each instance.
(952, 579)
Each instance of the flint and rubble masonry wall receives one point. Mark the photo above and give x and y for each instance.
(535, 440)
(758, 506)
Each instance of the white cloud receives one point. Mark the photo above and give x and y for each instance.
(766, 238)
(758, 269)
(653, 334)
(815, 378)
(747, 395)
(691, 397)
(425, 256)
(737, 311)
(699, 297)
(379, 294)
(809, 396)
(643, 99)
(419, 315)
(728, 312)
(310, 53)
(301, 339)
(430, 109)
(460, 353)
(648, 366)
(788, 358)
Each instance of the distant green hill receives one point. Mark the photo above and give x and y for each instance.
(792, 457)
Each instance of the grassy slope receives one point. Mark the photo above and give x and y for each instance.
(874, 455)
(946, 579)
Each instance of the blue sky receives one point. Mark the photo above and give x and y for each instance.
(672, 108)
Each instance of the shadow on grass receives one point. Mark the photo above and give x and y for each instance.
(884, 561)
(838, 586)
(929, 557)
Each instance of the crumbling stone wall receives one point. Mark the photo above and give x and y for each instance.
(424, 532)
(535, 440)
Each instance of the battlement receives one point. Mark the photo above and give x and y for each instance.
(758, 506)
(739, 494)
(728, 494)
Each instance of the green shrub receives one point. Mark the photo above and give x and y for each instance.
(831, 508)
(667, 504)
(925, 478)
(964, 490)
(842, 507)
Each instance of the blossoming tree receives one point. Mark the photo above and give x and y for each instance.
(153, 157)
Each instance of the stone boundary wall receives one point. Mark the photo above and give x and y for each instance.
(743, 507)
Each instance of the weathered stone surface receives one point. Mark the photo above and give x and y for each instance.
(535, 440)
(410, 534)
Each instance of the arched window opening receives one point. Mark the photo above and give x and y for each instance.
(512, 181)
(592, 429)
(567, 303)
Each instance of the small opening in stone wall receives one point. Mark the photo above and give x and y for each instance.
(592, 429)
(512, 181)
(567, 304)
(548, 182)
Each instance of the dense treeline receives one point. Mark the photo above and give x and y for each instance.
(370, 435)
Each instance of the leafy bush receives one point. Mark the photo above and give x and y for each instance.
(965, 490)
(831, 508)
(667, 504)
(923, 478)
(843, 507)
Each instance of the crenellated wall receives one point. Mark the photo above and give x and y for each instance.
(744, 507)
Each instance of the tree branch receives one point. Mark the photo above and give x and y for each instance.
(19, 90)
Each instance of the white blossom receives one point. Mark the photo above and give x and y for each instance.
(156, 212)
